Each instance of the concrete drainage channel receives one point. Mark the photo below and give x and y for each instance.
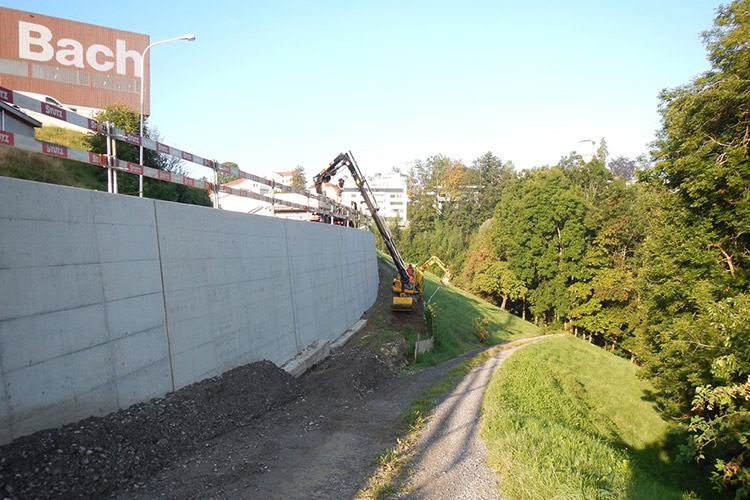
(318, 351)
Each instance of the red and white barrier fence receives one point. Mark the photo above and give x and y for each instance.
(26, 102)
(322, 204)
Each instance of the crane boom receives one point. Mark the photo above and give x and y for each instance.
(347, 160)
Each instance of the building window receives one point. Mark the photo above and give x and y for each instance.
(11, 67)
(114, 82)
(55, 74)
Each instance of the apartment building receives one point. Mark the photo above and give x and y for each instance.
(389, 191)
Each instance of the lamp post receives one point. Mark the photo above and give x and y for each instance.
(189, 37)
(593, 146)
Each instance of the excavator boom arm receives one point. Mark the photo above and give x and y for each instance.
(436, 261)
(347, 160)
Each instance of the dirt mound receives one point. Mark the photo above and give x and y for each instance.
(348, 373)
(99, 455)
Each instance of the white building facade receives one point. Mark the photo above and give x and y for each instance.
(389, 191)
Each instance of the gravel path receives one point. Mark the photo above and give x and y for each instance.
(450, 455)
(318, 447)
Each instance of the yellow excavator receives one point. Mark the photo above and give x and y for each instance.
(406, 286)
(445, 280)
(418, 275)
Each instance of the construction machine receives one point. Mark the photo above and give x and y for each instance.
(432, 261)
(405, 288)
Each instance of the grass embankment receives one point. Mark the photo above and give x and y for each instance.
(563, 419)
(455, 334)
(455, 314)
(37, 167)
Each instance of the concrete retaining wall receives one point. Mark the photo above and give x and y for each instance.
(108, 300)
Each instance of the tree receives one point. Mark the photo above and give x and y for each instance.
(298, 178)
(127, 119)
(696, 275)
(538, 228)
(720, 424)
(493, 175)
(623, 167)
(604, 296)
(224, 177)
(496, 280)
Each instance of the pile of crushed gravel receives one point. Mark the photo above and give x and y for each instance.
(348, 374)
(99, 456)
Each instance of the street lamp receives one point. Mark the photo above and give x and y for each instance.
(593, 146)
(189, 37)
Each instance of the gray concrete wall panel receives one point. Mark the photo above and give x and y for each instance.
(107, 301)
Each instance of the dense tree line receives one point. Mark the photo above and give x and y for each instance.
(656, 270)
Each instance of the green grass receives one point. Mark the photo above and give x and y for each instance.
(455, 312)
(391, 463)
(563, 419)
(38, 167)
(62, 136)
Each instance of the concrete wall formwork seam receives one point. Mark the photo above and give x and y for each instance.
(106, 301)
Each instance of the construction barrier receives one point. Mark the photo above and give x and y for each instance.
(316, 203)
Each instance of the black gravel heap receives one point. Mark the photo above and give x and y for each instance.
(98, 456)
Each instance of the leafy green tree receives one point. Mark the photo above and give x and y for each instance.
(720, 424)
(493, 175)
(696, 274)
(605, 294)
(495, 280)
(299, 180)
(423, 210)
(538, 229)
(224, 177)
(127, 119)
(702, 151)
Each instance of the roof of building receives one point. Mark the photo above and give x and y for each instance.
(20, 115)
(285, 174)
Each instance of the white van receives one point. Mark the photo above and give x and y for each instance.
(45, 98)
(48, 120)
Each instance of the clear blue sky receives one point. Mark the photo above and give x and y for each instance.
(276, 84)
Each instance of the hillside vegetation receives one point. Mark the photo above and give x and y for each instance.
(648, 258)
(462, 321)
(563, 419)
(37, 167)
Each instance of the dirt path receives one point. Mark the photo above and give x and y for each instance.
(450, 463)
(257, 433)
(318, 447)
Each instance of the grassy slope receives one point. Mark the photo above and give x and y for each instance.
(565, 420)
(63, 136)
(37, 167)
(455, 334)
(455, 311)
